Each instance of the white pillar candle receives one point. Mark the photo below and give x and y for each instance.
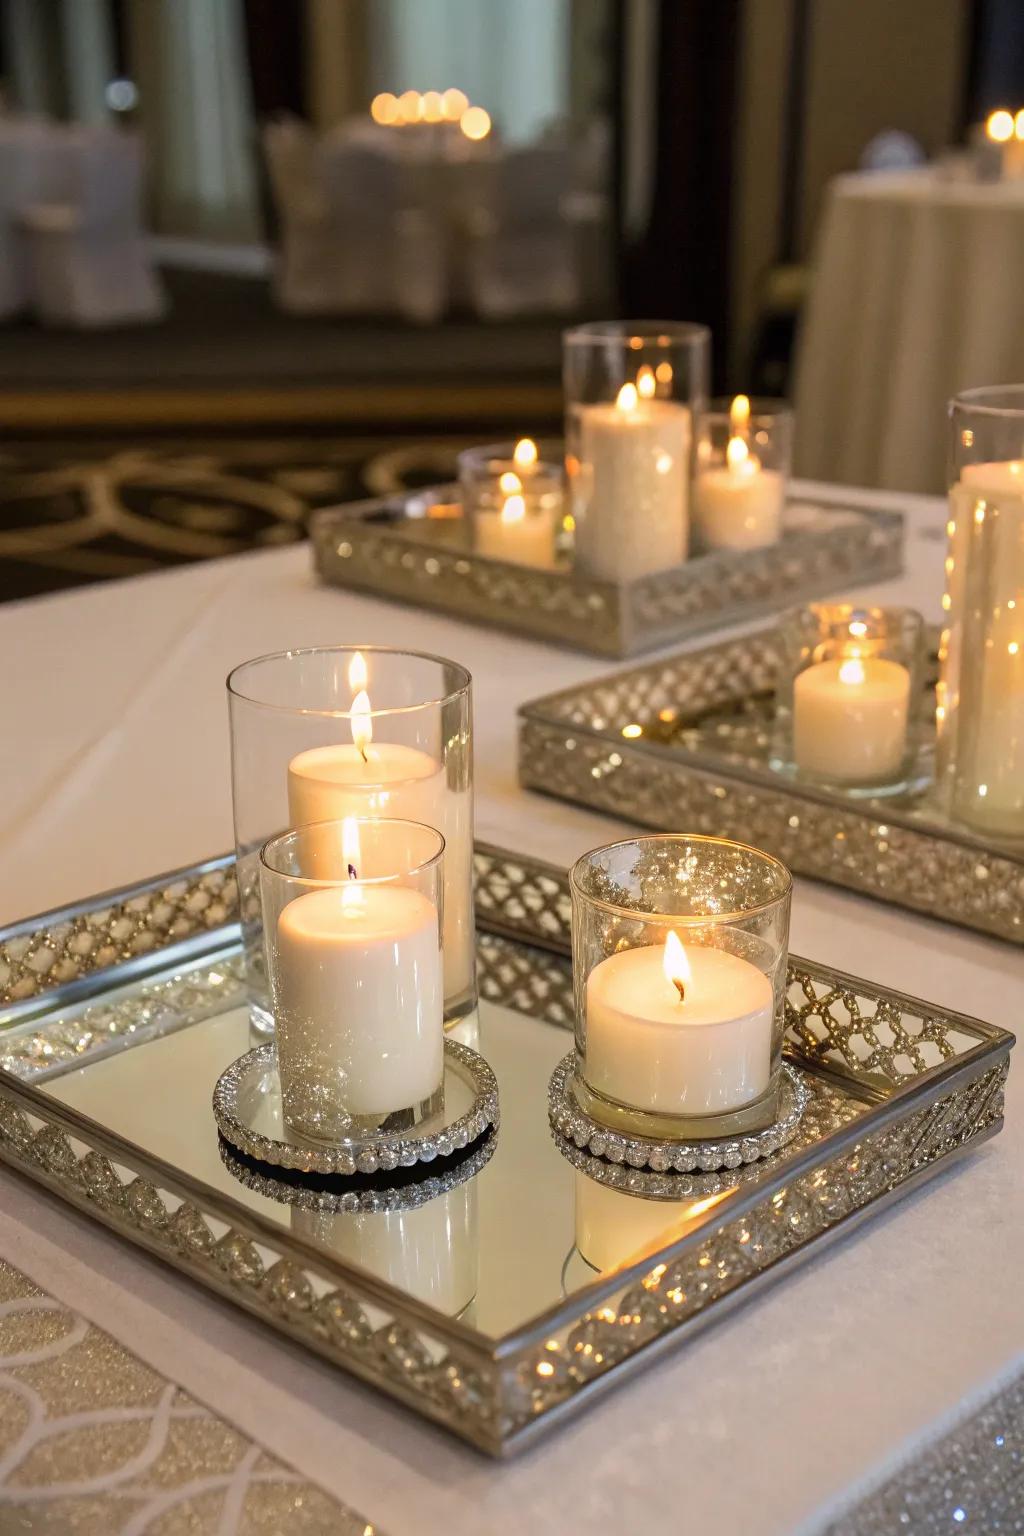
(429, 1252)
(738, 504)
(633, 480)
(614, 1228)
(990, 724)
(391, 780)
(358, 1003)
(519, 531)
(850, 719)
(704, 1052)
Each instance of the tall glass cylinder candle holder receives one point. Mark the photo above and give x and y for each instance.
(513, 495)
(847, 706)
(633, 390)
(680, 947)
(352, 934)
(744, 452)
(980, 696)
(337, 731)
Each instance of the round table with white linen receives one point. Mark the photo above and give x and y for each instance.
(917, 293)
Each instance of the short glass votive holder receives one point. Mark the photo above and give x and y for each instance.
(514, 497)
(633, 392)
(744, 451)
(352, 934)
(850, 699)
(337, 731)
(980, 694)
(680, 947)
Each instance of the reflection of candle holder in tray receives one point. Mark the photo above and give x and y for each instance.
(679, 964)
(249, 1111)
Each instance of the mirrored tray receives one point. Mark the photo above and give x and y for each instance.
(509, 1298)
(686, 742)
(419, 549)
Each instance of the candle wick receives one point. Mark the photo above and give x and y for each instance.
(680, 987)
(353, 873)
(362, 753)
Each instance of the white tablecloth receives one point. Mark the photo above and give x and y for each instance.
(113, 764)
(917, 292)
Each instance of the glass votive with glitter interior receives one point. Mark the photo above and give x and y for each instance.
(352, 932)
(633, 393)
(680, 947)
(513, 496)
(743, 457)
(850, 698)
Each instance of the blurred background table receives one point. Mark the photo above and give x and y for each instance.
(917, 292)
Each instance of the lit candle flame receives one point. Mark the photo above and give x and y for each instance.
(739, 416)
(676, 965)
(351, 894)
(513, 510)
(475, 123)
(858, 629)
(509, 484)
(357, 673)
(525, 453)
(1000, 126)
(737, 454)
(384, 108)
(432, 110)
(627, 398)
(645, 383)
(1018, 125)
(663, 374)
(453, 103)
(851, 672)
(361, 719)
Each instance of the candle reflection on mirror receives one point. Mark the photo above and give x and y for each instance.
(430, 1252)
(614, 1229)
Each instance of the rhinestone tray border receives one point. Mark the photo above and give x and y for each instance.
(352, 551)
(571, 746)
(928, 1085)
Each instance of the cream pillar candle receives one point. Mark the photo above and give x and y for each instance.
(430, 1252)
(518, 531)
(988, 682)
(679, 1030)
(391, 780)
(614, 1228)
(738, 504)
(358, 1003)
(850, 719)
(632, 510)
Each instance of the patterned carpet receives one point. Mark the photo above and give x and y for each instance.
(76, 513)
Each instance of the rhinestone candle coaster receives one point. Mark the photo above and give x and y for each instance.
(569, 1121)
(247, 1109)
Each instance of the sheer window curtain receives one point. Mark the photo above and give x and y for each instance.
(59, 57)
(190, 60)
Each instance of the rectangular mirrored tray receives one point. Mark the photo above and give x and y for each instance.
(418, 549)
(504, 1302)
(685, 742)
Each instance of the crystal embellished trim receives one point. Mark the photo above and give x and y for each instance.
(371, 1154)
(685, 742)
(404, 1197)
(572, 1123)
(392, 549)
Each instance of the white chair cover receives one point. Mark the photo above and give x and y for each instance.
(87, 259)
